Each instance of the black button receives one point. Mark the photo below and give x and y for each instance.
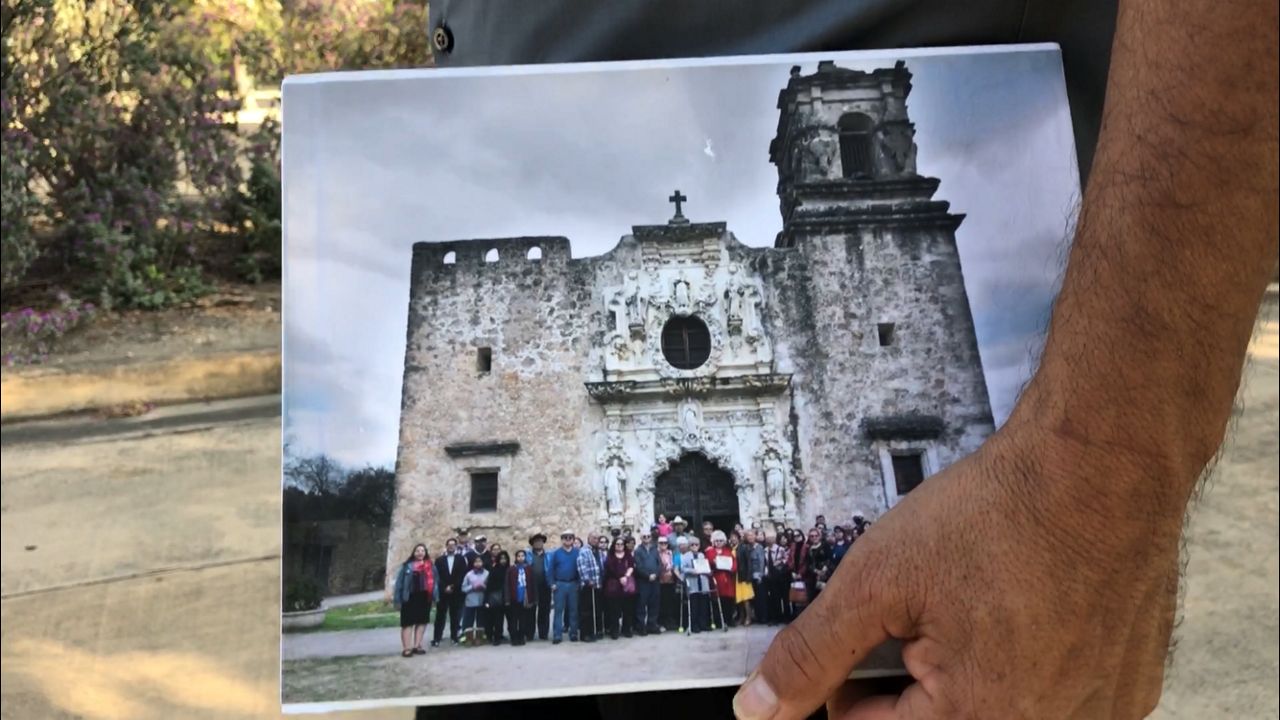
(442, 38)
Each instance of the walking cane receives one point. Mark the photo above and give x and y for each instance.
(714, 596)
(715, 593)
(537, 605)
(688, 602)
(595, 632)
(681, 610)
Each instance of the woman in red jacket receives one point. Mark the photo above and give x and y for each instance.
(414, 590)
(724, 577)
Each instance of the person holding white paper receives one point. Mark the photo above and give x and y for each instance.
(697, 581)
(724, 579)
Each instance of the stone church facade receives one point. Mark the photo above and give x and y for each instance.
(685, 373)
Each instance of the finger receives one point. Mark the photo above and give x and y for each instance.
(850, 695)
(814, 655)
(854, 691)
(913, 704)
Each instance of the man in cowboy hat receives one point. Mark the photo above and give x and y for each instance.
(678, 526)
(540, 583)
(480, 546)
(563, 568)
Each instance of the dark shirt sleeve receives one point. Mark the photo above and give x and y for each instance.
(501, 32)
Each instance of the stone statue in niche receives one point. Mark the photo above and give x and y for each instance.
(614, 477)
(898, 148)
(775, 480)
(751, 312)
(682, 295)
(690, 421)
(733, 293)
(774, 456)
(614, 459)
(636, 303)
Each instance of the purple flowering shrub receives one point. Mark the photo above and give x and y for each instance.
(130, 153)
(125, 177)
(29, 334)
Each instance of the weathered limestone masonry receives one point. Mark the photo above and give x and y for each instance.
(685, 373)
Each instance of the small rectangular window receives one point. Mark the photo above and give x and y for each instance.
(484, 359)
(885, 332)
(908, 471)
(484, 491)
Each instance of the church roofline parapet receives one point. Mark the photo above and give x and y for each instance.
(473, 252)
(672, 232)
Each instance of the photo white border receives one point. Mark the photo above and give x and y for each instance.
(559, 69)
(517, 695)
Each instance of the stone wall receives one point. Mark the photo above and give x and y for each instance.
(831, 299)
(531, 316)
(355, 552)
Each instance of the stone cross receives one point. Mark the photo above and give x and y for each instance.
(678, 198)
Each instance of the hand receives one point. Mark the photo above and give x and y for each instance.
(1034, 579)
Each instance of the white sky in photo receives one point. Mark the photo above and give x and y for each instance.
(375, 162)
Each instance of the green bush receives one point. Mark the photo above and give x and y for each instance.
(255, 211)
(17, 205)
(124, 172)
(302, 595)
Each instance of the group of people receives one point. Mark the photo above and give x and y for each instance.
(616, 584)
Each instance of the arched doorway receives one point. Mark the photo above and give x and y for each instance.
(697, 490)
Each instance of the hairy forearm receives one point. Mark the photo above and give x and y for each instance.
(1175, 243)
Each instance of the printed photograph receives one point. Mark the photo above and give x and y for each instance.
(603, 369)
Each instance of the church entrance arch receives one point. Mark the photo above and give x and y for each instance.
(697, 490)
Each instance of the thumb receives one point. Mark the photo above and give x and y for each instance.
(810, 658)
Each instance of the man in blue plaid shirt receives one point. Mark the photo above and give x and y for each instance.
(589, 600)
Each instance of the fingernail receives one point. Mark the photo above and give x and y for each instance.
(755, 700)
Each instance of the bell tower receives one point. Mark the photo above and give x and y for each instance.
(877, 295)
(846, 154)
